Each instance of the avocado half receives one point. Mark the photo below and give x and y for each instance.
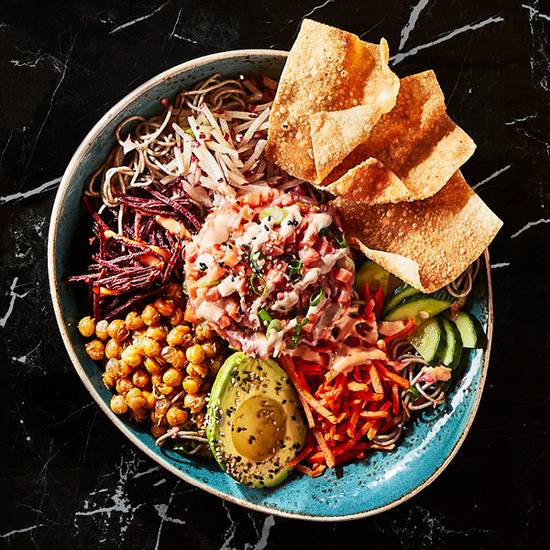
(254, 424)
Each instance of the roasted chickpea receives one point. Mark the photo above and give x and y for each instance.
(178, 336)
(134, 321)
(204, 332)
(156, 379)
(150, 347)
(177, 317)
(112, 368)
(123, 385)
(131, 355)
(195, 354)
(125, 368)
(157, 431)
(135, 399)
(191, 384)
(117, 330)
(108, 380)
(173, 291)
(199, 418)
(176, 416)
(194, 403)
(197, 370)
(96, 350)
(118, 404)
(172, 377)
(152, 366)
(150, 400)
(101, 329)
(165, 389)
(174, 356)
(210, 349)
(161, 406)
(112, 349)
(150, 315)
(157, 333)
(141, 378)
(164, 307)
(86, 326)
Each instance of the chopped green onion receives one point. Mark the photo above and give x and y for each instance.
(255, 256)
(190, 132)
(265, 317)
(295, 268)
(274, 326)
(333, 231)
(298, 330)
(274, 213)
(414, 393)
(316, 297)
(254, 287)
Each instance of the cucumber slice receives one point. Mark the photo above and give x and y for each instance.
(420, 306)
(453, 347)
(371, 273)
(430, 341)
(399, 294)
(470, 329)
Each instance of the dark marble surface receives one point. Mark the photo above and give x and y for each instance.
(68, 478)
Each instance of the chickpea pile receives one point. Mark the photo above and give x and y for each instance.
(160, 367)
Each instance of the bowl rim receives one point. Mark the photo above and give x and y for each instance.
(86, 144)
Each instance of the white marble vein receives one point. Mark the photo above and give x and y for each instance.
(51, 102)
(117, 504)
(269, 522)
(138, 19)
(13, 296)
(534, 12)
(397, 58)
(411, 23)
(23, 530)
(229, 533)
(23, 359)
(319, 7)
(162, 511)
(52, 184)
(184, 38)
(147, 472)
(521, 119)
(175, 24)
(491, 177)
(6, 145)
(528, 226)
(499, 265)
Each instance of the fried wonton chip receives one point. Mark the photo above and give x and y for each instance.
(417, 146)
(425, 243)
(333, 90)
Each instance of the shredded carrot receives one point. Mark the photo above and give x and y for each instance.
(299, 457)
(303, 390)
(410, 325)
(375, 379)
(307, 411)
(395, 399)
(329, 456)
(399, 380)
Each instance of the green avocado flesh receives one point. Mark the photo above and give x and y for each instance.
(254, 423)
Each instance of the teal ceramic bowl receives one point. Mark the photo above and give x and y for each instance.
(364, 488)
